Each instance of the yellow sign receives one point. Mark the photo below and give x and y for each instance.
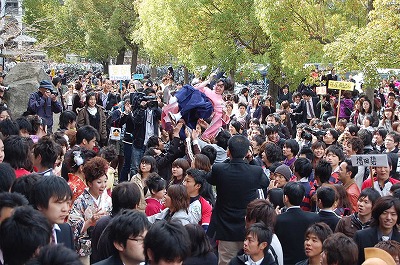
(341, 85)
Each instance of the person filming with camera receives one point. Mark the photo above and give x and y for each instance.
(146, 116)
(44, 103)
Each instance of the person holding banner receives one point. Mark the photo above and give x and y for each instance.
(382, 182)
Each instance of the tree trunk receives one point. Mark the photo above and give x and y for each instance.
(370, 7)
(135, 51)
(273, 91)
(185, 75)
(105, 66)
(232, 76)
(121, 56)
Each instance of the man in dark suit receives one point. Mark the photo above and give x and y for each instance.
(291, 225)
(307, 107)
(106, 98)
(52, 196)
(325, 199)
(126, 232)
(385, 214)
(237, 183)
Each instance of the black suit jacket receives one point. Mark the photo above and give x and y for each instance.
(301, 109)
(113, 260)
(368, 238)
(65, 236)
(237, 183)
(329, 218)
(112, 100)
(290, 228)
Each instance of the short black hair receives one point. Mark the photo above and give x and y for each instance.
(323, 171)
(351, 168)
(305, 150)
(22, 234)
(295, 192)
(152, 141)
(9, 127)
(126, 195)
(293, 145)
(200, 244)
(365, 136)
(369, 193)
(155, 183)
(24, 124)
(336, 150)
(16, 152)
(210, 152)
(303, 167)
(12, 200)
(7, 176)
(47, 187)
(340, 249)
(167, 241)
(270, 129)
(353, 129)
(327, 195)
(238, 146)
(108, 152)
(55, 254)
(86, 132)
(262, 231)
(24, 185)
(273, 152)
(198, 177)
(66, 117)
(46, 148)
(128, 223)
(222, 139)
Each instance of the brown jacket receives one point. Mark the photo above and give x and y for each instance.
(83, 119)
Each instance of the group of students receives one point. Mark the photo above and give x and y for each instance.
(148, 195)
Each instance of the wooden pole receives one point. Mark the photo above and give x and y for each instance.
(372, 177)
(338, 107)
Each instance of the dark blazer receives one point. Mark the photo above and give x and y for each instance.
(290, 228)
(302, 109)
(237, 183)
(329, 218)
(369, 238)
(113, 260)
(112, 100)
(208, 259)
(65, 236)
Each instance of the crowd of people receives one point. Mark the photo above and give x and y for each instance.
(144, 173)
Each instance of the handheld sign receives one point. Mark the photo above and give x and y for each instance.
(341, 85)
(138, 76)
(119, 72)
(320, 90)
(372, 160)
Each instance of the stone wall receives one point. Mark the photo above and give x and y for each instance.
(23, 79)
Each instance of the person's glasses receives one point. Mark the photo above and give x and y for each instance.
(220, 85)
(144, 163)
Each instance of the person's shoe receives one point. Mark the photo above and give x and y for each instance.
(174, 117)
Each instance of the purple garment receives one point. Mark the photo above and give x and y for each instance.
(345, 103)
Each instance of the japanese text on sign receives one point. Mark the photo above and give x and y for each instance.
(119, 72)
(380, 160)
(341, 85)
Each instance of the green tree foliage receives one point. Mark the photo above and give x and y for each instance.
(373, 46)
(300, 29)
(202, 32)
(97, 29)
